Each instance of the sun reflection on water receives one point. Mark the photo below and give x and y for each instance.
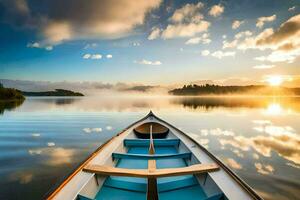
(274, 109)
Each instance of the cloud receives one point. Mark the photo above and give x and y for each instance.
(221, 54)
(216, 10)
(233, 164)
(243, 34)
(186, 21)
(92, 56)
(231, 44)
(90, 130)
(136, 44)
(284, 42)
(185, 30)
(264, 169)
(90, 46)
(292, 8)
(21, 177)
(189, 12)
(50, 144)
(87, 130)
(236, 24)
(154, 34)
(280, 139)
(263, 66)
(234, 43)
(39, 46)
(109, 56)
(205, 52)
(86, 56)
(261, 21)
(95, 19)
(147, 62)
(216, 132)
(204, 39)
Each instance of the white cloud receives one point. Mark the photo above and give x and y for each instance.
(87, 130)
(92, 56)
(221, 54)
(40, 46)
(86, 56)
(97, 130)
(292, 8)
(216, 132)
(185, 30)
(216, 10)
(231, 44)
(284, 42)
(233, 164)
(236, 24)
(261, 21)
(96, 56)
(264, 169)
(243, 34)
(109, 56)
(90, 130)
(90, 46)
(205, 52)
(204, 39)
(187, 12)
(280, 56)
(283, 140)
(234, 43)
(50, 144)
(263, 66)
(147, 62)
(155, 33)
(186, 21)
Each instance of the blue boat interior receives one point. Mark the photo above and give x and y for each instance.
(167, 155)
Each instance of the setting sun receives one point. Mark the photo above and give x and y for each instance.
(275, 80)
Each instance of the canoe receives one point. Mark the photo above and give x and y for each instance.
(151, 159)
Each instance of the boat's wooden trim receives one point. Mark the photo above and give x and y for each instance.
(151, 172)
(56, 189)
(235, 177)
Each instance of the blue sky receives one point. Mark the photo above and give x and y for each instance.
(57, 41)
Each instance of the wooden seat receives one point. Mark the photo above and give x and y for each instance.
(150, 156)
(151, 172)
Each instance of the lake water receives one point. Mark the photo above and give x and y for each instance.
(44, 139)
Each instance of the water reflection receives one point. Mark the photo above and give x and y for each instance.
(9, 105)
(272, 106)
(45, 138)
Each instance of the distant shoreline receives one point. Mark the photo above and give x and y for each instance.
(235, 91)
(55, 93)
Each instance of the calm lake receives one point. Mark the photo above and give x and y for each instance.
(44, 139)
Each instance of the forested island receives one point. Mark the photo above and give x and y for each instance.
(259, 90)
(56, 92)
(10, 94)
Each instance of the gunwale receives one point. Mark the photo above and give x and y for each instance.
(53, 192)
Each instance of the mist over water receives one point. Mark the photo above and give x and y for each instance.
(44, 139)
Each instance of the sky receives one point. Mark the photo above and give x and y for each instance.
(150, 42)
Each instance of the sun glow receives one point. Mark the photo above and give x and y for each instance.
(275, 80)
(274, 109)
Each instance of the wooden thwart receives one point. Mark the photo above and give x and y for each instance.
(151, 172)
